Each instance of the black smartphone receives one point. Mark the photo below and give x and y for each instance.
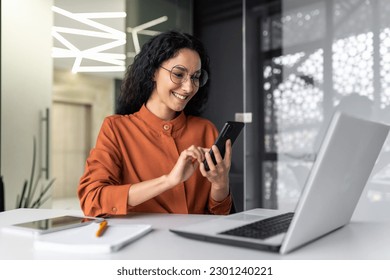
(230, 130)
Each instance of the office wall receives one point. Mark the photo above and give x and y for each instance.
(219, 25)
(26, 84)
(80, 103)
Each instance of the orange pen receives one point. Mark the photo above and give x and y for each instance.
(102, 228)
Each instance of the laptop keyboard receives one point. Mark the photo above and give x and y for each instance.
(264, 228)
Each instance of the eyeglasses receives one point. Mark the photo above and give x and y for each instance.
(179, 75)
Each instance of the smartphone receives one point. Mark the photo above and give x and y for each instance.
(230, 130)
(52, 224)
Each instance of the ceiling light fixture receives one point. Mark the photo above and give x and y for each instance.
(115, 61)
(142, 29)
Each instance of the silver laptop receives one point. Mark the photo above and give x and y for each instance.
(343, 165)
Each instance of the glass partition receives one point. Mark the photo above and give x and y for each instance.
(304, 59)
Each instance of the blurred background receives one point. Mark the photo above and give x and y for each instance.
(283, 67)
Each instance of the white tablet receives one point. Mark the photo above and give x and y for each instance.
(52, 224)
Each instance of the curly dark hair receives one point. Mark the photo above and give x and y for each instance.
(138, 83)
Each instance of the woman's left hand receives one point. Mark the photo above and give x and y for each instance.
(218, 174)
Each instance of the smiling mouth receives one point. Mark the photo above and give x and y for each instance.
(181, 97)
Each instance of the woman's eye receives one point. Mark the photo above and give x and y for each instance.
(178, 74)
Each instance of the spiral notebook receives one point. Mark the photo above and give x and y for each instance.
(83, 239)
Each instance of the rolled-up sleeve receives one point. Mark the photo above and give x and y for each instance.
(220, 207)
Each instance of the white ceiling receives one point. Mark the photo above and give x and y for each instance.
(70, 18)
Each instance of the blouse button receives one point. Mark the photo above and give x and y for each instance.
(166, 127)
(114, 209)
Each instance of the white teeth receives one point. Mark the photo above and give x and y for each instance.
(182, 97)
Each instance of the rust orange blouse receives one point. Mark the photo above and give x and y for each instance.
(139, 147)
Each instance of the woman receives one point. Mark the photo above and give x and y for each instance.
(149, 156)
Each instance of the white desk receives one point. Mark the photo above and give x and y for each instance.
(358, 240)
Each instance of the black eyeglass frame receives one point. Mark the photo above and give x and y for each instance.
(202, 78)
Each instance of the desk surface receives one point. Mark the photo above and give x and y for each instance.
(358, 240)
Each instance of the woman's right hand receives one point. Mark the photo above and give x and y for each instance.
(186, 164)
